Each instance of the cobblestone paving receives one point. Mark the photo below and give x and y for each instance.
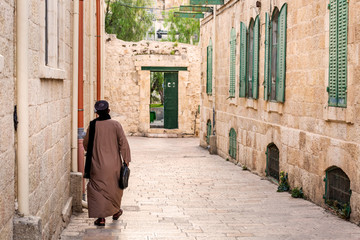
(178, 191)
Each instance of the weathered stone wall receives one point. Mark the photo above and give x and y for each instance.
(310, 135)
(50, 114)
(127, 87)
(7, 137)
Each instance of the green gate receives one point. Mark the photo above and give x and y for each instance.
(171, 100)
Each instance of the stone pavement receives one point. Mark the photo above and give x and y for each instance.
(178, 191)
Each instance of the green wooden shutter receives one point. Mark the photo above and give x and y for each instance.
(333, 45)
(210, 66)
(243, 55)
(338, 24)
(267, 58)
(209, 69)
(255, 79)
(232, 62)
(281, 50)
(342, 51)
(208, 132)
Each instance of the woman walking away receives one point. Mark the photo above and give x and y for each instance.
(106, 146)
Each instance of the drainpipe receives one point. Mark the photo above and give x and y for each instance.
(214, 70)
(103, 55)
(22, 98)
(98, 51)
(81, 132)
(91, 60)
(74, 144)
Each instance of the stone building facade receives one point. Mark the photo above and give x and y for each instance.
(127, 83)
(298, 113)
(7, 134)
(49, 76)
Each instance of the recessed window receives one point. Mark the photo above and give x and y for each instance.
(52, 29)
(249, 59)
(272, 161)
(232, 62)
(209, 69)
(338, 31)
(275, 55)
(337, 190)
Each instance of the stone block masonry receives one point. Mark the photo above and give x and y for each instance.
(7, 132)
(27, 228)
(311, 136)
(127, 87)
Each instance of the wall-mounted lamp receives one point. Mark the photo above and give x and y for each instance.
(258, 4)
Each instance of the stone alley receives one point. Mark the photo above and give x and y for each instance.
(178, 190)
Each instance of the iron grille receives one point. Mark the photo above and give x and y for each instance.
(338, 186)
(273, 162)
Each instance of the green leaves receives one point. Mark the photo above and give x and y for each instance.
(128, 19)
(184, 30)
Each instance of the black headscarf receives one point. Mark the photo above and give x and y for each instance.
(102, 117)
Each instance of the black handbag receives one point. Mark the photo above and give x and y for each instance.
(124, 176)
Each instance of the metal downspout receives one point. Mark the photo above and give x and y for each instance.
(74, 143)
(81, 132)
(91, 60)
(22, 98)
(98, 50)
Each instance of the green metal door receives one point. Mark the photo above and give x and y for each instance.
(171, 100)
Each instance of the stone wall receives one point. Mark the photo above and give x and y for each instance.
(50, 114)
(127, 87)
(310, 135)
(7, 136)
(50, 79)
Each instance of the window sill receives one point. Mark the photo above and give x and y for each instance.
(336, 114)
(1, 63)
(52, 73)
(251, 103)
(274, 107)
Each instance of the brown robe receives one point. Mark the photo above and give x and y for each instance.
(104, 194)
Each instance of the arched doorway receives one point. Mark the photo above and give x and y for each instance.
(272, 161)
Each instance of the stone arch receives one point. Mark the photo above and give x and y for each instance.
(272, 161)
(337, 190)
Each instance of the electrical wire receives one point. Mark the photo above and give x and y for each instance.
(148, 8)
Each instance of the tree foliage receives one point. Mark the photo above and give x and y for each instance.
(184, 30)
(156, 87)
(128, 23)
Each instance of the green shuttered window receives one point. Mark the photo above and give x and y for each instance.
(255, 59)
(232, 62)
(243, 54)
(209, 69)
(338, 24)
(232, 143)
(275, 55)
(266, 58)
(249, 59)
